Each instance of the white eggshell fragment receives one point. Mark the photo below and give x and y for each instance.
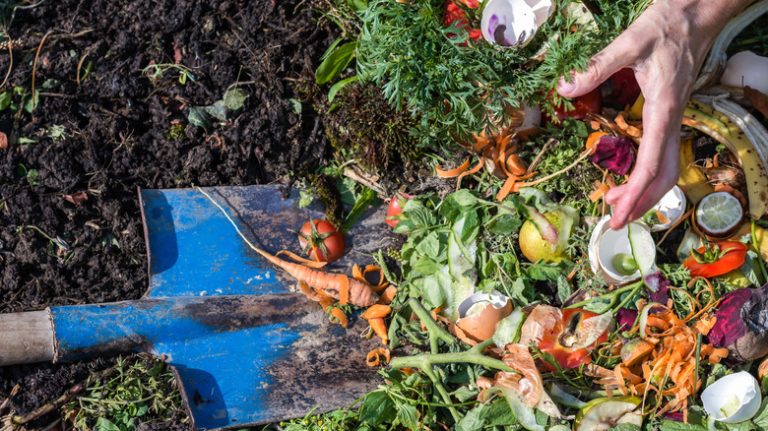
(746, 69)
(606, 243)
(513, 22)
(733, 398)
(672, 206)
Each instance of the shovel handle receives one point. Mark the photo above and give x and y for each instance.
(26, 338)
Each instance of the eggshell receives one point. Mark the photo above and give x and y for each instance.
(746, 69)
(604, 244)
(672, 205)
(513, 22)
(479, 314)
(741, 387)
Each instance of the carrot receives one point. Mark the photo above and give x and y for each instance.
(388, 295)
(600, 191)
(475, 169)
(380, 329)
(339, 314)
(331, 284)
(454, 172)
(375, 356)
(310, 263)
(376, 311)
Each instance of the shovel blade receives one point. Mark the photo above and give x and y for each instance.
(194, 251)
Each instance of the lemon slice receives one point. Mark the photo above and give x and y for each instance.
(718, 213)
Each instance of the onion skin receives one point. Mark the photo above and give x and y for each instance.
(742, 324)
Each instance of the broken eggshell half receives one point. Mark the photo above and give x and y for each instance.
(671, 207)
(746, 69)
(479, 314)
(733, 398)
(513, 23)
(606, 244)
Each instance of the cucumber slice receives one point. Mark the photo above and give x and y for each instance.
(643, 248)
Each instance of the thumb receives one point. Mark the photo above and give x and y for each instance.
(616, 56)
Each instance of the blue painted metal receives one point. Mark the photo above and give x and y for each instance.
(245, 350)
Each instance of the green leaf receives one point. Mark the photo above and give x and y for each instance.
(429, 246)
(463, 197)
(335, 60)
(364, 200)
(498, 413)
(377, 408)
(335, 88)
(504, 223)
(563, 288)
(543, 271)
(197, 116)
(408, 415)
(625, 427)
(680, 426)
(358, 5)
(761, 419)
(295, 105)
(31, 102)
(5, 100)
(234, 98)
(473, 420)
(104, 424)
(217, 111)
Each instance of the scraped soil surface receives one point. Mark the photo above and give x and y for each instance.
(118, 130)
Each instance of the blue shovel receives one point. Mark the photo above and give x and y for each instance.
(245, 349)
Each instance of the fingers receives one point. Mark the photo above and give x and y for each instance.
(619, 54)
(656, 167)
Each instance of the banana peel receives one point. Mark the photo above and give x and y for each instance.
(692, 180)
(703, 117)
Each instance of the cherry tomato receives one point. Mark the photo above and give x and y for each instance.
(454, 12)
(321, 241)
(590, 103)
(566, 341)
(395, 209)
(624, 88)
(716, 259)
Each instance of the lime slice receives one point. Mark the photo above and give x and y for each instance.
(718, 213)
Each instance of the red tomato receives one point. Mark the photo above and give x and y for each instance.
(565, 341)
(454, 12)
(590, 103)
(716, 259)
(624, 88)
(395, 209)
(321, 241)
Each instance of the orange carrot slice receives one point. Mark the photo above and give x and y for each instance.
(452, 173)
(376, 311)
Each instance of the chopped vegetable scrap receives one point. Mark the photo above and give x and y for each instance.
(659, 362)
(614, 153)
(740, 324)
(716, 259)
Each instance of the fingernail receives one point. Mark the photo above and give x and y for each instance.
(566, 87)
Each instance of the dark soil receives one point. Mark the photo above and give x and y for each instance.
(122, 130)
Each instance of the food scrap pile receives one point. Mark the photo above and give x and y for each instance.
(512, 303)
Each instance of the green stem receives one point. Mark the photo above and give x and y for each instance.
(426, 360)
(436, 332)
(612, 294)
(442, 391)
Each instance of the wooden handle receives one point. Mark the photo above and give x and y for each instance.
(26, 338)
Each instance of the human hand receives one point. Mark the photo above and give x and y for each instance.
(665, 47)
